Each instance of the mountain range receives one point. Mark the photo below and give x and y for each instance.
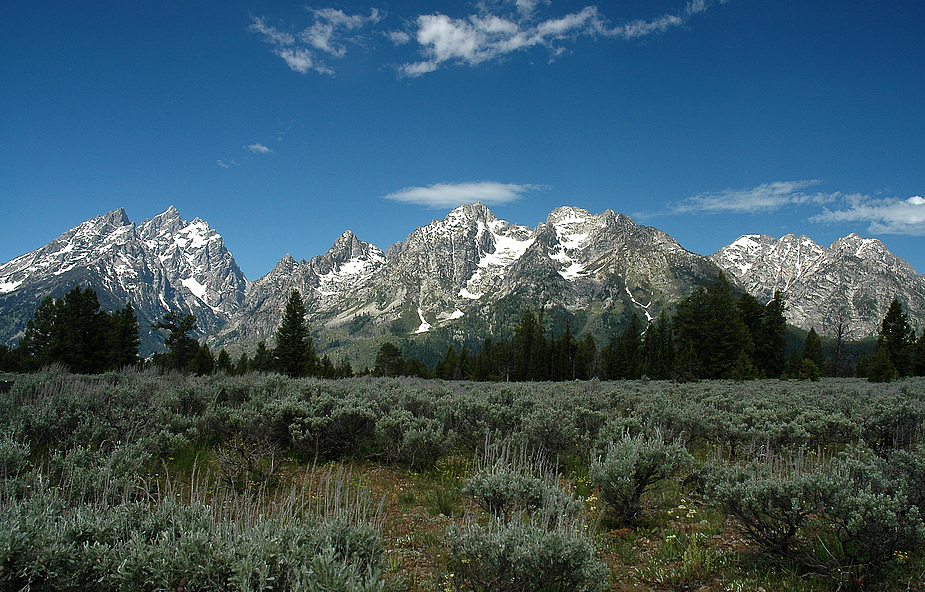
(456, 280)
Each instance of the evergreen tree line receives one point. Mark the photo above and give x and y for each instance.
(294, 354)
(899, 353)
(75, 332)
(714, 333)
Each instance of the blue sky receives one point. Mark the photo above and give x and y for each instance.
(284, 124)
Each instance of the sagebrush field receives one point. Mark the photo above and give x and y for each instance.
(146, 481)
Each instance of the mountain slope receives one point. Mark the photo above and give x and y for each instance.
(163, 264)
(456, 280)
(853, 281)
(471, 275)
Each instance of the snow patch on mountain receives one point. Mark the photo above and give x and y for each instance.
(198, 290)
(644, 307)
(6, 287)
(425, 326)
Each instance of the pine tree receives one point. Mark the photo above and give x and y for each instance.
(85, 328)
(711, 334)
(881, 367)
(770, 345)
(223, 362)
(446, 368)
(690, 323)
(181, 348)
(326, 368)
(897, 338)
(863, 365)
(203, 363)
(464, 366)
(124, 338)
(587, 361)
(294, 353)
(529, 348)
(242, 366)
(658, 343)
(918, 356)
(793, 366)
(565, 350)
(263, 358)
(726, 334)
(627, 354)
(389, 361)
(345, 369)
(41, 343)
(812, 349)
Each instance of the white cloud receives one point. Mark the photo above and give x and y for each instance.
(763, 198)
(271, 34)
(445, 195)
(399, 37)
(488, 36)
(494, 30)
(884, 216)
(258, 149)
(325, 34)
(480, 38)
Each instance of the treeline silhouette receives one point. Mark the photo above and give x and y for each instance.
(715, 333)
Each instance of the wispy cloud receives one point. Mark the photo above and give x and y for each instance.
(258, 149)
(491, 35)
(883, 215)
(763, 198)
(445, 195)
(329, 35)
(890, 215)
(492, 31)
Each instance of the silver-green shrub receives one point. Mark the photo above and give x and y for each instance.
(534, 537)
(49, 541)
(510, 480)
(847, 517)
(632, 465)
(14, 457)
(411, 440)
(524, 556)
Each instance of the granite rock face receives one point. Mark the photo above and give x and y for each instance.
(160, 265)
(853, 281)
(468, 274)
(461, 270)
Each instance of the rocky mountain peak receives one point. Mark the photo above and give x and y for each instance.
(854, 279)
(567, 214)
(467, 214)
(461, 274)
(347, 256)
(348, 246)
(284, 266)
(117, 218)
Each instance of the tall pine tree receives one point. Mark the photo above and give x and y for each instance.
(658, 344)
(812, 349)
(124, 338)
(294, 354)
(897, 337)
(76, 332)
